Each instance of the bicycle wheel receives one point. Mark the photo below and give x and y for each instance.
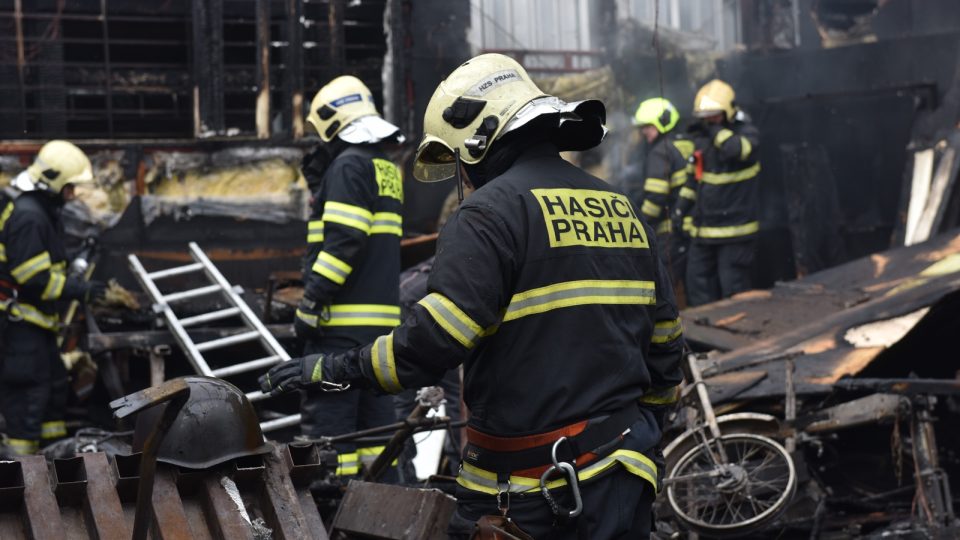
(749, 490)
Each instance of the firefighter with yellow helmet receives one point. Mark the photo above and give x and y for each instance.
(33, 280)
(721, 208)
(549, 290)
(665, 170)
(352, 264)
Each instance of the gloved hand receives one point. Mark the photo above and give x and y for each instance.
(306, 323)
(293, 374)
(96, 290)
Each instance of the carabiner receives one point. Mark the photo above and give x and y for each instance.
(571, 473)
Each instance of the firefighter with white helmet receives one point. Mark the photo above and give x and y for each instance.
(721, 204)
(33, 281)
(352, 264)
(549, 290)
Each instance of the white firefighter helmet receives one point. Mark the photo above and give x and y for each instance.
(57, 164)
(345, 108)
(714, 98)
(485, 98)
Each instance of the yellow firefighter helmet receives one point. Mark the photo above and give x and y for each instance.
(485, 98)
(715, 97)
(345, 107)
(657, 112)
(57, 164)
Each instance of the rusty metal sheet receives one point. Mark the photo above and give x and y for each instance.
(388, 512)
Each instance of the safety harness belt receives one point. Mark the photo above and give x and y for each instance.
(504, 455)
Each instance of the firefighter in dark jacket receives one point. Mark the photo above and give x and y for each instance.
(352, 264)
(721, 210)
(548, 288)
(665, 172)
(33, 280)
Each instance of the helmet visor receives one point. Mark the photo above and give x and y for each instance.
(435, 161)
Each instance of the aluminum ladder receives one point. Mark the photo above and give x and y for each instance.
(255, 330)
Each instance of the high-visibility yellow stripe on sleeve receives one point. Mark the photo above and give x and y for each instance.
(452, 319)
(22, 447)
(31, 267)
(7, 210)
(728, 232)
(362, 315)
(745, 148)
(53, 429)
(580, 293)
(722, 137)
(348, 464)
(651, 209)
(347, 214)
(3, 252)
(663, 227)
(384, 365)
(667, 331)
(678, 178)
(311, 319)
(731, 177)
(54, 287)
(370, 454)
(332, 268)
(688, 193)
(315, 231)
(30, 314)
(657, 185)
(387, 223)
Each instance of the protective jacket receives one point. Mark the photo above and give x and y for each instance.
(665, 173)
(33, 261)
(353, 248)
(548, 288)
(725, 201)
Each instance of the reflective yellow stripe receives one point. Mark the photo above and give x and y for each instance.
(23, 447)
(332, 268)
(688, 193)
(663, 396)
(731, 177)
(317, 374)
(7, 210)
(678, 179)
(53, 429)
(309, 318)
(688, 226)
(664, 227)
(651, 209)
(484, 481)
(370, 454)
(315, 231)
(656, 185)
(387, 223)
(3, 252)
(727, 232)
(347, 214)
(666, 331)
(580, 293)
(347, 464)
(722, 137)
(685, 146)
(54, 287)
(745, 148)
(452, 319)
(31, 315)
(31, 267)
(362, 315)
(384, 366)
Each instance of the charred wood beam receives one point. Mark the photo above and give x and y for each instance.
(98, 343)
(263, 69)
(293, 67)
(208, 90)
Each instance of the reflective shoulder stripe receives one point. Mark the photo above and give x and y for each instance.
(731, 177)
(54, 287)
(722, 137)
(745, 148)
(667, 331)
(315, 231)
(663, 396)
(657, 185)
(332, 268)
(477, 479)
(688, 193)
(347, 214)
(384, 365)
(580, 293)
(387, 223)
(686, 147)
(3, 252)
(7, 210)
(727, 232)
(678, 178)
(362, 315)
(651, 209)
(452, 319)
(31, 267)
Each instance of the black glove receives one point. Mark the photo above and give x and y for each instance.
(306, 323)
(96, 290)
(293, 374)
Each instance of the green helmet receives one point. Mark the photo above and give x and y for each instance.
(657, 112)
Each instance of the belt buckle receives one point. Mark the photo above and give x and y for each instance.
(570, 471)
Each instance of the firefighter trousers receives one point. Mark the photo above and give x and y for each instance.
(716, 271)
(336, 413)
(33, 383)
(616, 505)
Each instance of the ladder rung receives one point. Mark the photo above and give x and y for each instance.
(229, 340)
(175, 271)
(256, 396)
(207, 317)
(278, 423)
(246, 366)
(200, 291)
